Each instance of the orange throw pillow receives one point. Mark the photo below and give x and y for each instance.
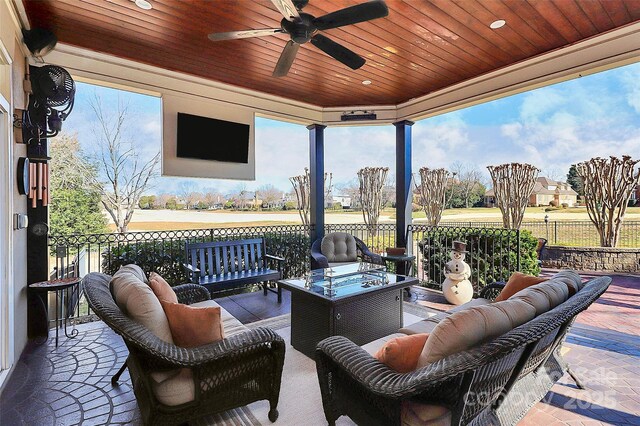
(518, 281)
(401, 353)
(193, 326)
(161, 288)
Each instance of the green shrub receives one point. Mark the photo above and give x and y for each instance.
(492, 254)
(166, 257)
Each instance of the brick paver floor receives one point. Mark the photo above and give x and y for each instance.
(70, 384)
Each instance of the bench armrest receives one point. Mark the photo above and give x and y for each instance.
(278, 259)
(273, 257)
(191, 268)
(191, 293)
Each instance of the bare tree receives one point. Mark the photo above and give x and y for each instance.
(372, 181)
(269, 195)
(211, 198)
(192, 199)
(432, 192)
(608, 185)
(124, 175)
(302, 187)
(513, 184)
(468, 178)
(162, 199)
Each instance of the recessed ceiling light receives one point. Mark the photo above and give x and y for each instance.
(366, 82)
(497, 24)
(143, 4)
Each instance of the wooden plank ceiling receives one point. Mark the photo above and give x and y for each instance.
(420, 47)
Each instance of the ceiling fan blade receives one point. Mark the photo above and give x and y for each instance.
(337, 51)
(352, 15)
(287, 9)
(286, 59)
(233, 35)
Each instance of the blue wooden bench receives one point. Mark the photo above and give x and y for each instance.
(226, 265)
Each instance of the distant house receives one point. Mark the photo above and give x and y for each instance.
(343, 200)
(635, 196)
(545, 191)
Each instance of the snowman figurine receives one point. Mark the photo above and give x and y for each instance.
(457, 288)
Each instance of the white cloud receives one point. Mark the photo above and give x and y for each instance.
(630, 80)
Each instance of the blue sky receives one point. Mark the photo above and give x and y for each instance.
(551, 128)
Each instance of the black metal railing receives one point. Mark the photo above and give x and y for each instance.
(493, 253)
(578, 233)
(163, 251)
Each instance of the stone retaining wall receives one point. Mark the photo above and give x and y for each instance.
(592, 258)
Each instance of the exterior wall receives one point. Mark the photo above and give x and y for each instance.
(544, 199)
(13, 248)
(568, 199)
(592, 258)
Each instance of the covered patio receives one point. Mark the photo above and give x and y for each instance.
(419, 61)
(71, 384)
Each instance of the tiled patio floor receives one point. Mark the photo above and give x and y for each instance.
(70, 384)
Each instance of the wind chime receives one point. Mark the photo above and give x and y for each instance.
(38, 183)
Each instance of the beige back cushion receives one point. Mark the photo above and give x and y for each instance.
(463, 330)
(136, 299)
(339, 247)
(571, 278)
(467, 328)
(544, 296)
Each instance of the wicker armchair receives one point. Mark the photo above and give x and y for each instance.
(233, 372)
(362, 253)
(495, 383)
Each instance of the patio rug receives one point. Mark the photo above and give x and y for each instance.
(300, 402)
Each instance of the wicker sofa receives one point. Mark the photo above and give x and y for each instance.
(493, 383)
(244, 367)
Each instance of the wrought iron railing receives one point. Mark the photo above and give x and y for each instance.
(575, 233)
(493, 253)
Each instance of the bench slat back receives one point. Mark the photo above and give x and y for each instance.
(222, 257)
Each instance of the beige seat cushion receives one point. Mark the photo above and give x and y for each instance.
(230, 324)
(339, 247)
(373, 347)
(556, 291)
(424, 326)
(176, 390)
(479, 301)
(417, 414)
(463, 330)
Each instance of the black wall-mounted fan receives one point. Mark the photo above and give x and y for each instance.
(53, 89)
(302, 27)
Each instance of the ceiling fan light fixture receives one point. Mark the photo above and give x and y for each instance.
(143, 4)
(366, 82)
(497, 24)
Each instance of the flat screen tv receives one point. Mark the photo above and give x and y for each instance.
(205, 138)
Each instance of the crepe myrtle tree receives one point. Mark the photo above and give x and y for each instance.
(513, 184)
(432, 193)
(372, 181)
(608, 185)
(302, 187)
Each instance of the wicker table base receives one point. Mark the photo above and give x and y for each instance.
(362, 317)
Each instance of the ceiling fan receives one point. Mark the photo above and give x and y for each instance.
(302, 27)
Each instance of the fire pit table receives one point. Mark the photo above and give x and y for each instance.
(360, 301)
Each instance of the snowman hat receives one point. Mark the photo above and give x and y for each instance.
(460, 247)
